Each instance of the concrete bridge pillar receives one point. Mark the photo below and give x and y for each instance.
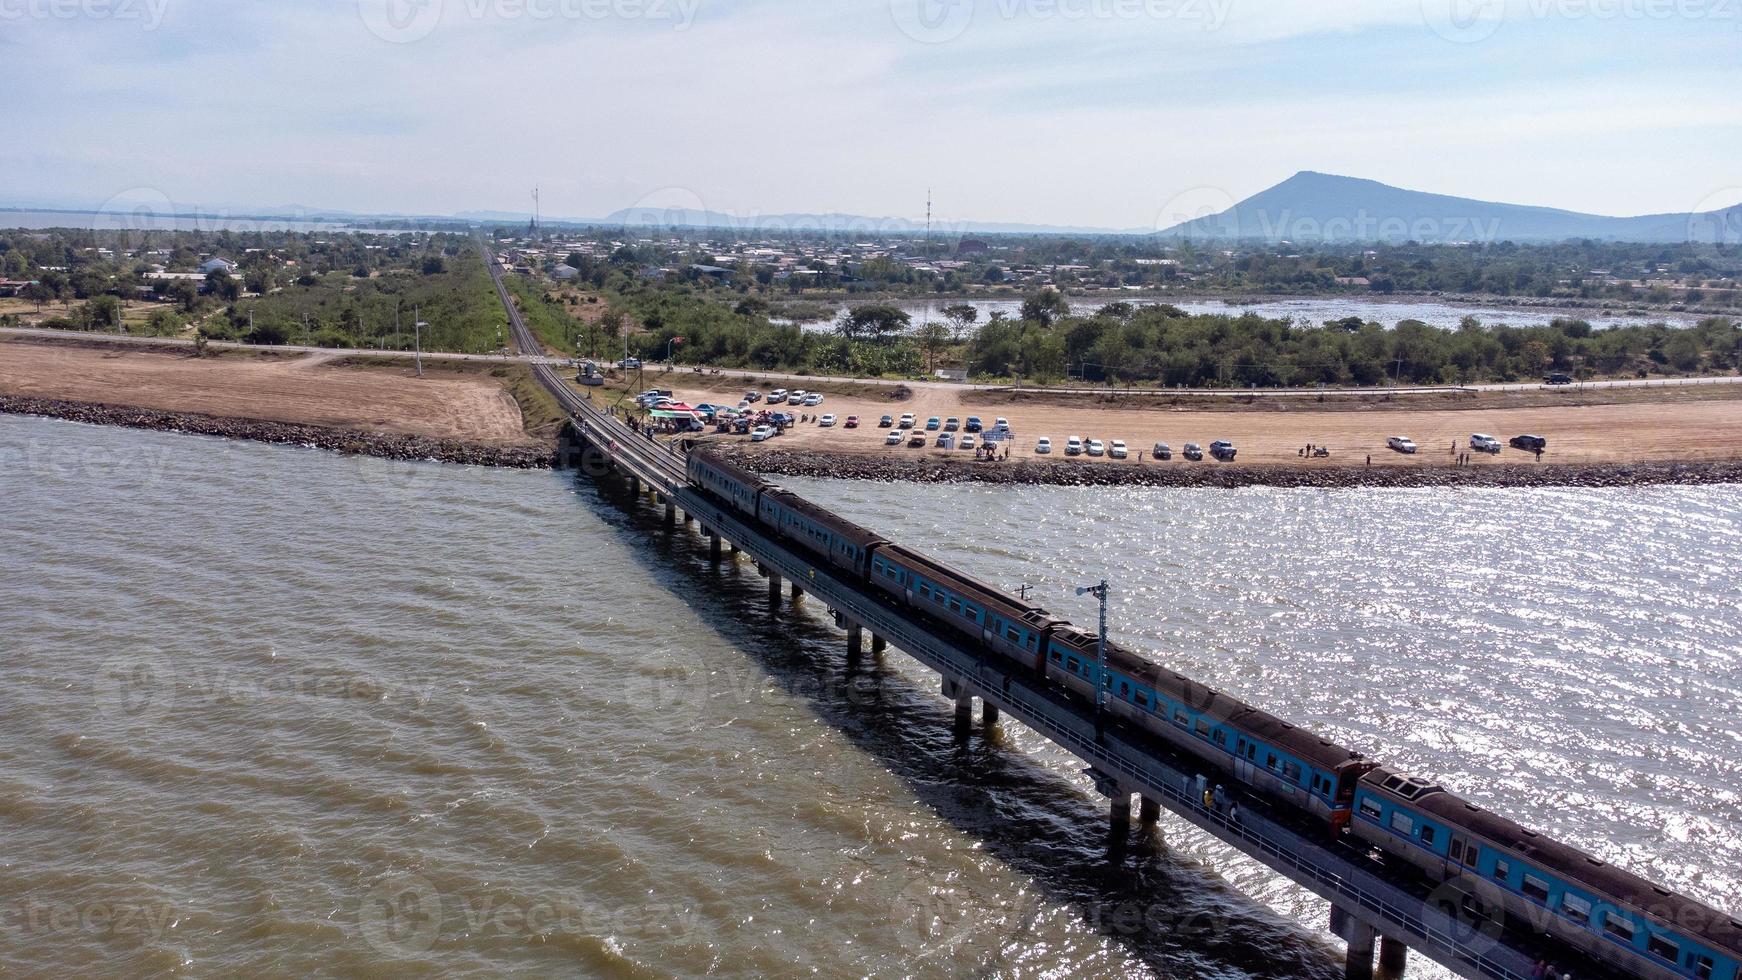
(988, 713)
(797, 593)
(1119, 815)
(1393, 958)
(713, 546)
(773, 586)
(688, 518)
(855, 641)
(1360, 936)
(670, 512)
(1148, 812)
(634, 485)
(878, 643)
(964, 711)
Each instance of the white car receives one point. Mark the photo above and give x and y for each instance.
(777, 396)
(1001, 423)
(1484, 443)
(812, 400)
(1074, 446)
(906, 421)
(762, 433)
(826, 421)
(1097, 447)
(1116, 449)
(1043, 446)
(1402, 444)
(968, 441)
(893, 438)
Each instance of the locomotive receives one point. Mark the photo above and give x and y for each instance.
(1486, 864)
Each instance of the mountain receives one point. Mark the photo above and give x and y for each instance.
(1317, 207)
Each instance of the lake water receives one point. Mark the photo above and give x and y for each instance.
(1310, 310)
(275, 711)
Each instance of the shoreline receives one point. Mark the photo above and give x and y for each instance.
(348, 442)
(855, 466)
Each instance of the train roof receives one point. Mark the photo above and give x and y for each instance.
(989, 595)
(1291, 738)
(731, 469)
(861, 536)
(1672, 910)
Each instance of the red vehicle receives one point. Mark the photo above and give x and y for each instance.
(852, 421)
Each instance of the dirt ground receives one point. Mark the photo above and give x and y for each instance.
(1690, 430)
(306, 389)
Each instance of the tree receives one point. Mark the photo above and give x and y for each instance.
(961, 317)
(932, 337)
(874, 321)
(434, 265)
(1045, 306)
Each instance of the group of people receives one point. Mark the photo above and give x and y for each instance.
(990, 452)
(1544, 970)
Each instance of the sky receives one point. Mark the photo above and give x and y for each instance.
(1108, 113)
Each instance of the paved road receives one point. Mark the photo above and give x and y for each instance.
(657, 372)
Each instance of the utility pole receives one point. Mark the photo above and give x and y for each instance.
(417, 326)
(1099, 592)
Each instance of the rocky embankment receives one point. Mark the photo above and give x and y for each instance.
(348, 441)
(1062, 472)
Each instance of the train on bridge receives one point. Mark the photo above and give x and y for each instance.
(1478, 864)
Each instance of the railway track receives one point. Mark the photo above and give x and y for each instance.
(650, 460)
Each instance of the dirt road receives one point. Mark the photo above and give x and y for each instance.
(304, 389)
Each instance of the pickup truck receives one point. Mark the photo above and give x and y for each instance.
(1223, 450)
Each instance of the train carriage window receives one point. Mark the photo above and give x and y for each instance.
(1370, 808)
(1252, 751)
(1402, 822)
(1291, 771)
(1124, 689)
(1703, 967)
(1270, 763)
(1503, 871)
(1220, 738)
(955, 605)
(1072, 664)
(1455, 851)
(1575, 908)
(1203, 728)
(1427, 834)
(1620, 928)
(1142, 700)
(1180, 719)
(1659, 946)
(1057, 657)
(1537, 888)
(1013, 635)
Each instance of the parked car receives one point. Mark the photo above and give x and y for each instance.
(753, 396)
(974, 424)
(1484, 444)
(852, 421)
(968, 440)
(1097, 448)
(1162, 451)
(885, 422)
(1001, 423)
(892, 439)
(944, 441)
(906, 421)
(1074, 446)
(783, 418)
(777, 396)
(1116, 449)
(1223, 450)
(826, 421)
(1193, 452)
(629, 363)
(1558, 378)
(917, 440)
(1402, 444)
(952, 423)
(813, 399)
(933, 424)
(1531, 444)
(796, 396)
(762, 433)
(1043, 446)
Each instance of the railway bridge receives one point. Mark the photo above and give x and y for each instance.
(1373, 911)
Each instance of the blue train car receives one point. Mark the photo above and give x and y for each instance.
(1006, 625)
(1615, 916)
(1229, 736)
(839, 542)
(738, 487)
